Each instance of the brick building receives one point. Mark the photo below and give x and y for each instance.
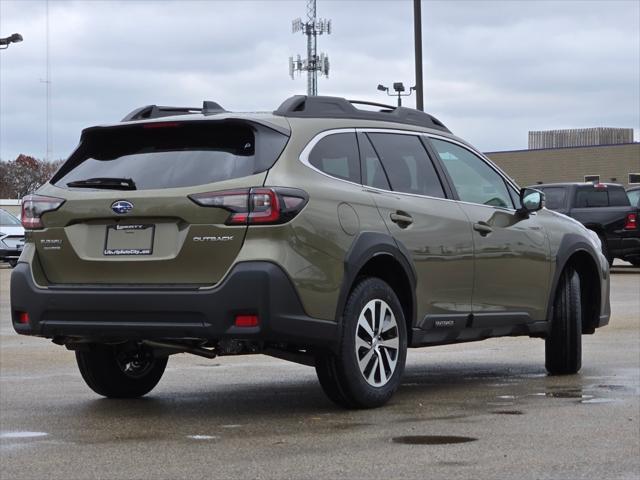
(616, 163)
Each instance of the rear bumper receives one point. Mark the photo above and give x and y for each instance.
(102, 314)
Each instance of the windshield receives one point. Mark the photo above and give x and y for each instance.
(171, 154)
(7, 219)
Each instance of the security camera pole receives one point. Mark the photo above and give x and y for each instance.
(5, 42)
(399, 88)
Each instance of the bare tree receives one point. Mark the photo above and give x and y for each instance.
(24, 175)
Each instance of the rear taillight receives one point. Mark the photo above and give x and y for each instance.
(33, 206)
(631, 221)
(255, 206)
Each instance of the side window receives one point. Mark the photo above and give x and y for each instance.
(590, 197)
(515, 195)
(474, 180)
(618, 197)
(555, 197)
(373, 173)
(407, 164)
(337, 155)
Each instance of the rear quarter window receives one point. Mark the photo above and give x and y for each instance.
(337, 155)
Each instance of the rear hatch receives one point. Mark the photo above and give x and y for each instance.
(127, 216)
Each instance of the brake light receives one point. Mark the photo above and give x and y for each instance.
(600, 186)
(23, 317)
(34, 206)
(632, 221)
(255, 206)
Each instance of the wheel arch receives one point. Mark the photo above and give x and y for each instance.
(379, 255)
(577, 254)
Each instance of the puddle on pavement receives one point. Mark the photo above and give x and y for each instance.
(432, 439)
(598, 400)
(202, 437)
(612, 387)
(508, 412)
(18, 435)
(568, 394)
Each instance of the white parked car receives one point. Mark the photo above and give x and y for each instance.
(11, 238)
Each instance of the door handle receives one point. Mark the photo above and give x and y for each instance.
(403, 219)
(482, 228)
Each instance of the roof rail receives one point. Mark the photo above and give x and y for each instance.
(158, 111)
(303, 106)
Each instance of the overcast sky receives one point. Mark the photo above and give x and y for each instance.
(493, 70)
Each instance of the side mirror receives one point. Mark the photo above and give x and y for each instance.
(531, 200)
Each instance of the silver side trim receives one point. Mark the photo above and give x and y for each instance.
(304, 159)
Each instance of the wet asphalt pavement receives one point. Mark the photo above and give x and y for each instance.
(476, 410)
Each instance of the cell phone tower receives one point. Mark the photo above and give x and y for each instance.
(314, 63)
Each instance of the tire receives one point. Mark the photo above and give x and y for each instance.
(605, 249)
(118, 374)
(374, 304)
(563, 345)
(635, 262)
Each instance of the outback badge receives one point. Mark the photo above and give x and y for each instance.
(121, 207)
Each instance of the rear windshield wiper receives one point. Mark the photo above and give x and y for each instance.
(105, 182)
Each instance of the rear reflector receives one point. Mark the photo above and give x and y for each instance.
(23, 317)
(631, 222)
(246, 321)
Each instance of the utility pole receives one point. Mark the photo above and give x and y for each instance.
(48, 84)
(417, 33)
(313, 63)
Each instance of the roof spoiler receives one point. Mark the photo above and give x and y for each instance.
(157, 111)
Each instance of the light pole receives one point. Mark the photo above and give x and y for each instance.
(5, 42)
(399, 88)
(417, 38)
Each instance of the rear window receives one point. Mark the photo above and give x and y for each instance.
(590, 197)
(173, 154)
(555, 197)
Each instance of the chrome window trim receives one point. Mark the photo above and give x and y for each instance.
(304, 159)
(306, 151)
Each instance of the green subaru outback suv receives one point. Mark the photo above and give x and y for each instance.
(327, 232)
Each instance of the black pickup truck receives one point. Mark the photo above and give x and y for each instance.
(603, 208)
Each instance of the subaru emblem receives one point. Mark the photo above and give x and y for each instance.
(121, 207)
